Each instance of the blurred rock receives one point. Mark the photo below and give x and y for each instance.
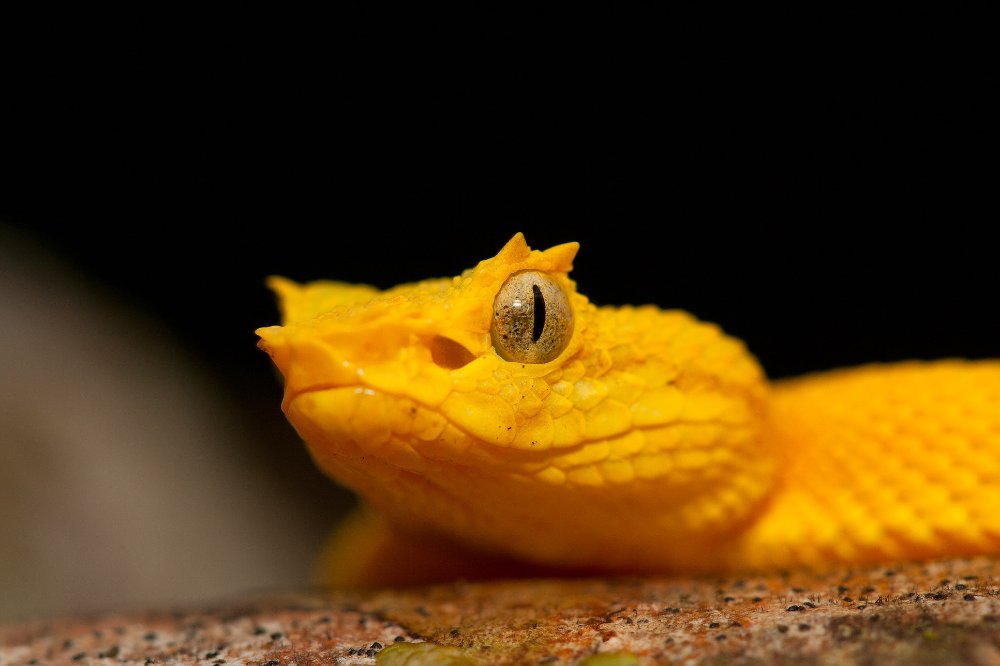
(125, 478)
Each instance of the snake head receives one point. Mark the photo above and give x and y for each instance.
(497, 405)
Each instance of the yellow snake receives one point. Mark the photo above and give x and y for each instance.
(501, 412)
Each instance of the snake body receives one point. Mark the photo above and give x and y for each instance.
(637, 440)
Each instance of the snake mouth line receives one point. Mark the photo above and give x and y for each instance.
(326, 386)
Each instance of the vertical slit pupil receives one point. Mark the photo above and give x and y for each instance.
(539, 311)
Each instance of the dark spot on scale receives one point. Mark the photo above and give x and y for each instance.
(79, 655)
(848, 600)
(67, 644)
(454, 631)
(376, 646)
(757, 600)
(370, 653)
(151, 636)
(794, 608)
(273, 662)
(868, 590)
(352, 651)
(720, 637)
(276, 635)
(727, 599)
(969, 597)
(804, 627)
(422, 611)
(713, 625)
(842, 588)
(782, 628)
(810, 604)
(399, 639)
(890, 572)
(970, 577)
(944, 582)
(961, 586)
(797, 590)
(211, 655)
(259, 630)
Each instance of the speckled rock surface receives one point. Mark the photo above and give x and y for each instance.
(935, 613)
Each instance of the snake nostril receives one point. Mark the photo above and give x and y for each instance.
(449, 354)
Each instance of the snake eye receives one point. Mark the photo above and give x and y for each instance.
(532, 318)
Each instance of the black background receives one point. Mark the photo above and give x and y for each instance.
(830, 199)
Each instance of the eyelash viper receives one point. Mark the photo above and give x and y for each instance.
(503, 411)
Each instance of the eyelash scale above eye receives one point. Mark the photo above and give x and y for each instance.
(532, 318)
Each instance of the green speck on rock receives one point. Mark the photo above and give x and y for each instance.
(423, 654)
(611, 659)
